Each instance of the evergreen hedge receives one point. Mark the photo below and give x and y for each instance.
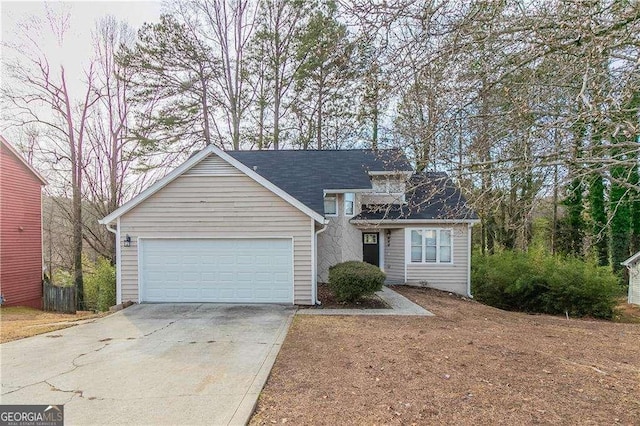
(540, 282)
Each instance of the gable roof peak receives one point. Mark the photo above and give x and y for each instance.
(20, 158)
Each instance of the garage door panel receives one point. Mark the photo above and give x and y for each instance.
(217, 270)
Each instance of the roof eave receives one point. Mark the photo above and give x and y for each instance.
(631, 260)
(407, 173)
(412, 221)
(191, 162)
(22, 160)
(158, 185)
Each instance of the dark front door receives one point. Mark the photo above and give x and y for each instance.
(371, 248)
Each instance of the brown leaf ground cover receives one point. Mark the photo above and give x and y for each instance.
(470, 364)
(19, 322)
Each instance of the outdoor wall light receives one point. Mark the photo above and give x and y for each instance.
(388, 233)
(127, 240)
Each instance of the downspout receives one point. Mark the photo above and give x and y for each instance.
(469, 250)
(116, 232)
(315, 263)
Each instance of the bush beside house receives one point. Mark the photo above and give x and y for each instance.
(99, 284)
(352, 280)
(540, 282)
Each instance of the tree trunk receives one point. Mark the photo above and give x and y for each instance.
(320, 117)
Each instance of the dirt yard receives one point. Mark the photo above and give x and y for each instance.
(20, 322)
(470, 364)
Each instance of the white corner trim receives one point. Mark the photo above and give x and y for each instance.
(314, 278)
(382, 241)
(118, 265)
(407, 247)
(140, 266)
(191, 162)
(293, 270)
(469, 260)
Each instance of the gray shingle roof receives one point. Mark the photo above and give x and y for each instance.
(430, 195)
(304, 174)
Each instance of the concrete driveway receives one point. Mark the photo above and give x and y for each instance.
(150, 364)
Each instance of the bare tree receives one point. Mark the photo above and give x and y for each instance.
(110, 158)
(42, 97)
(226, 27)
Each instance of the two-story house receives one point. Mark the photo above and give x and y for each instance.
(265, 226)
(20, 229)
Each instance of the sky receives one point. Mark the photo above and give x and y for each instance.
(75, 49)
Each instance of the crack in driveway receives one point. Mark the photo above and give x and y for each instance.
(76, 366)
(162, 369)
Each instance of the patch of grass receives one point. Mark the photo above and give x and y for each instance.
(18, 322)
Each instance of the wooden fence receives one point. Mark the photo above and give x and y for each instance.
(59, 299)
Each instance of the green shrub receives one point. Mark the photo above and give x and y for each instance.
(539, 282)
(100, 286)
(350, 281)
(62, 278)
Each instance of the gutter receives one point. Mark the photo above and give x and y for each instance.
(315, 262)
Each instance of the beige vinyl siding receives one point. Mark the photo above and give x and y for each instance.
(634, 284)
(444, 276)
(213, 166)
(223, 206)
(394, 256)
(383, 199)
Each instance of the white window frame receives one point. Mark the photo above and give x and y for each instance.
(438, 231)
(387, 186)
(335, 198)
(351, 195)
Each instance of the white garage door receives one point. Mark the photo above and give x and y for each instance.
(216, 270)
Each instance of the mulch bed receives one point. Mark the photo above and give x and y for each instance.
(329, 301)
(470, 364)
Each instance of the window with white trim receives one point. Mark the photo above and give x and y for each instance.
(349, 203)
(388, 185)
(331, 205)
(430, 245)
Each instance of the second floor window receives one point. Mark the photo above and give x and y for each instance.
(349, 203)
(330, 205)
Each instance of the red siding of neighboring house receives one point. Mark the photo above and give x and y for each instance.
(20, 231)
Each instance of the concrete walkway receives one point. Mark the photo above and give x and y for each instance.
(172, 364)
(399, 304)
